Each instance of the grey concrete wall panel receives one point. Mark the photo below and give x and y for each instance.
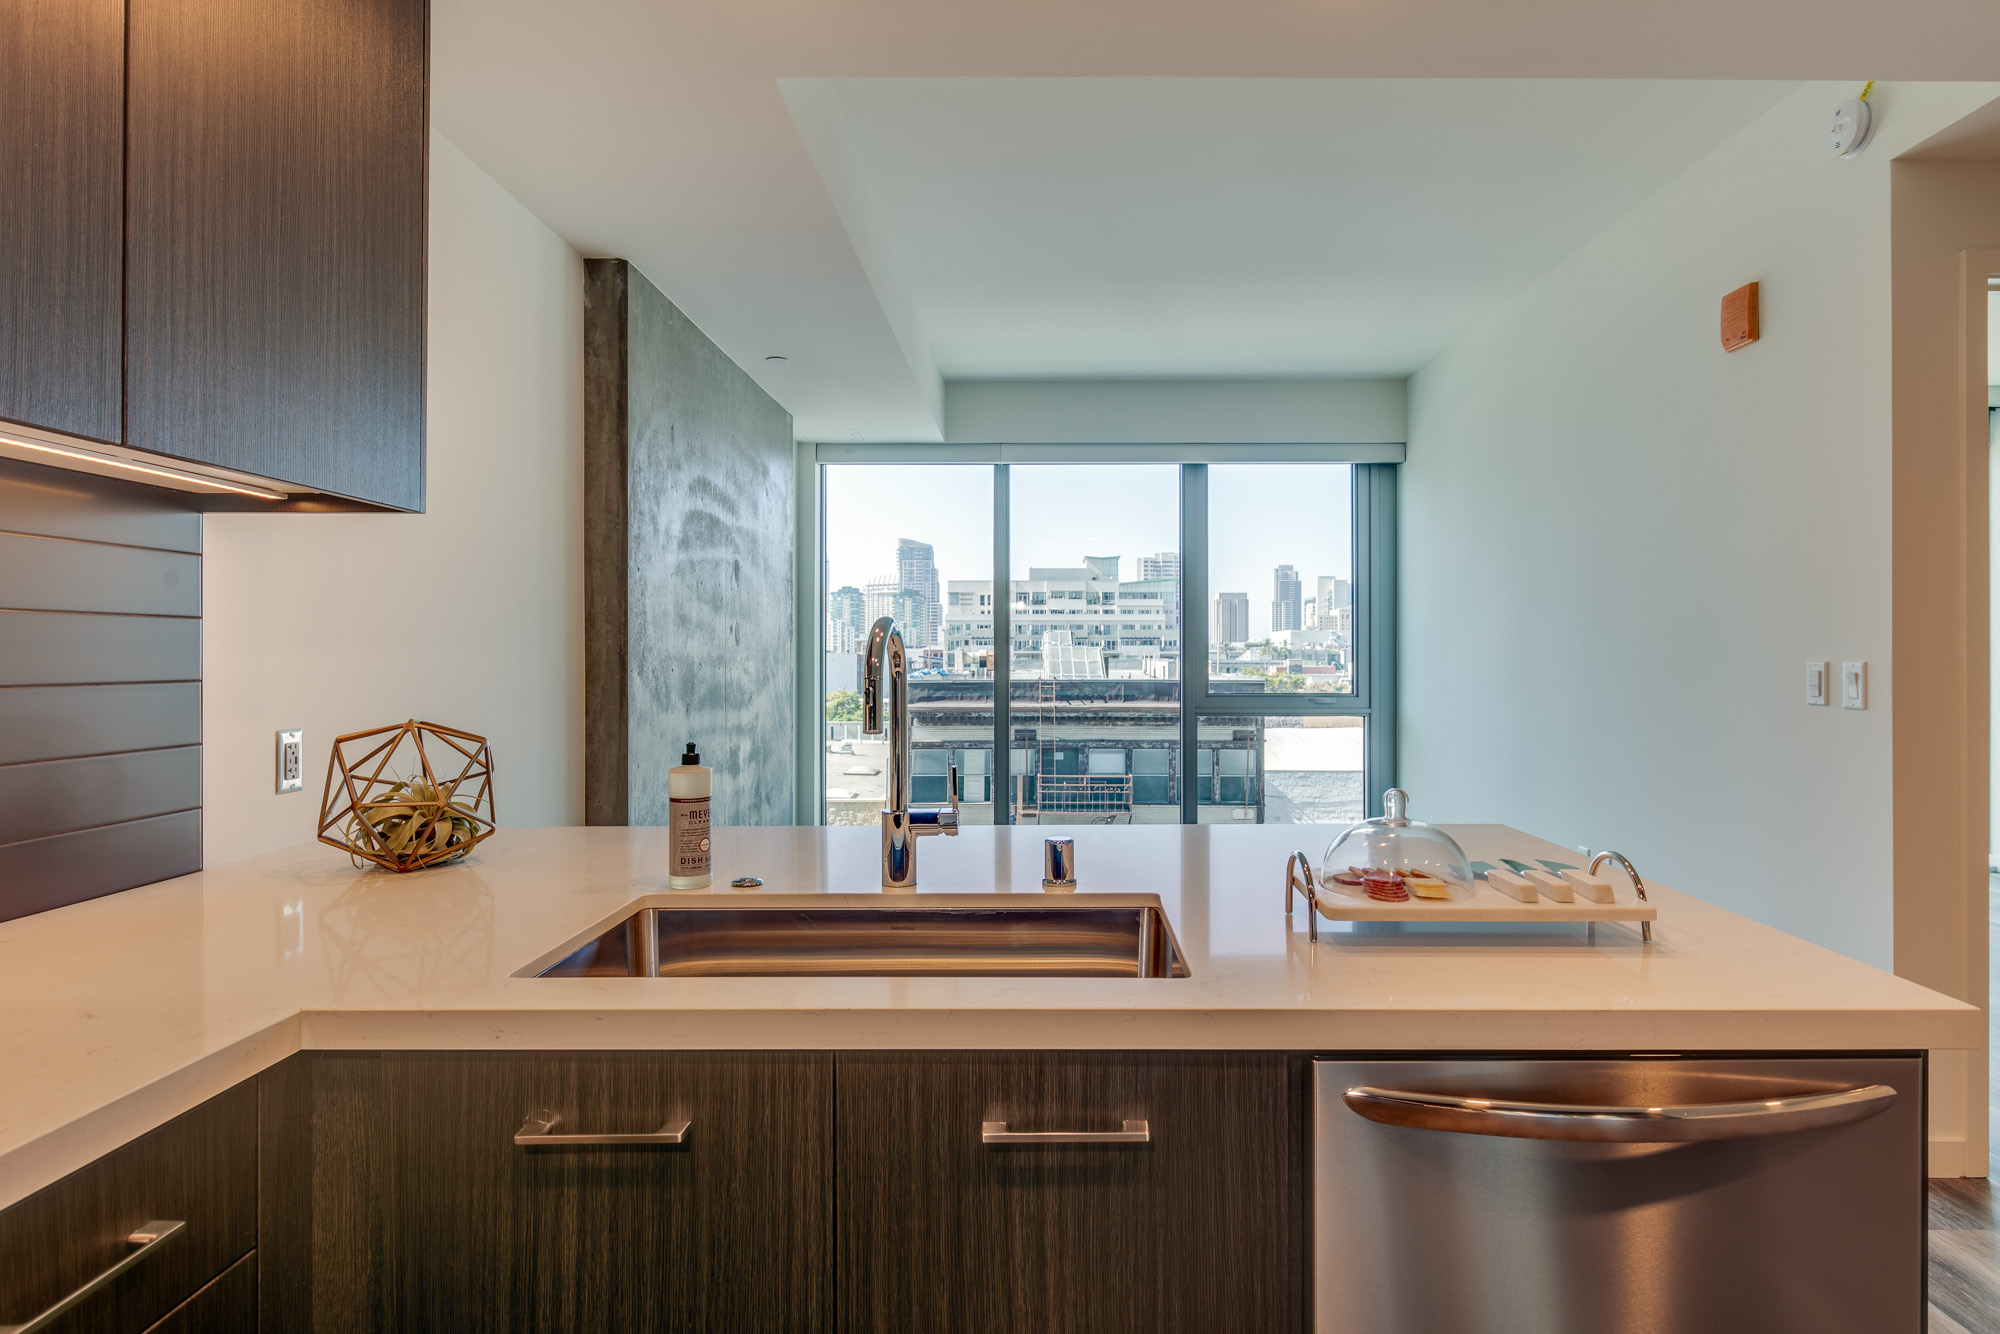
(709, 574)
(707, 534)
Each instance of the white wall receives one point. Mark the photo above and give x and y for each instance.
(1621, 545)
(469, 614)
(1072, 412)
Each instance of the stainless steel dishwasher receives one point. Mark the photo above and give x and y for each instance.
(1639, 1196)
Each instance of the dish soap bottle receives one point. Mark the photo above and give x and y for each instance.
(687, 821)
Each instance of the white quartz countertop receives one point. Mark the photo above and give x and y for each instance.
(119, 1014)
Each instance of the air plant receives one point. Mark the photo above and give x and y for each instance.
(413, 820)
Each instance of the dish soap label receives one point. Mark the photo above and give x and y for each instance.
(688, 786)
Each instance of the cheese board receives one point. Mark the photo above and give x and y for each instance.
(1481, 900)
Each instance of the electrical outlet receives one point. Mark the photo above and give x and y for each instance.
(291, 761)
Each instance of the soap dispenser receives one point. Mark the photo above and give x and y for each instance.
(687, 821)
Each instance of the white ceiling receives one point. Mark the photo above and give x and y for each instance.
(1054, 228)
(1133, 219)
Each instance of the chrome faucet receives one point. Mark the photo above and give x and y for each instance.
(901, 826)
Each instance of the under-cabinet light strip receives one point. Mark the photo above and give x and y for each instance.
(172, 474)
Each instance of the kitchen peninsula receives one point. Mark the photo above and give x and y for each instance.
(122, 1014)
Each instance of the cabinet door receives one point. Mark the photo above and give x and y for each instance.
(275, 272)
(62, 111)
(1196, 1230)
(423, 1214)
(199, 1169)
(226, 1306)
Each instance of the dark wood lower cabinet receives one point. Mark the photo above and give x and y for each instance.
(226, 1306)
(1198, 1230)
(199, 1169)
(384, 1191)
(396, 1199)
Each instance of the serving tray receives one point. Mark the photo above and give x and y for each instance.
(1485, 904)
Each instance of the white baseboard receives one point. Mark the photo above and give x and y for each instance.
(1948, 1159)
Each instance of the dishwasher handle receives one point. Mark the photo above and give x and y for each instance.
(1583, 1123)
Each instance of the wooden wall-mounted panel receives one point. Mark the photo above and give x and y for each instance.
(53, 503)
(62, 106)
(62, 722)
(56, 574)
(37, 874)
(275, 270)
(46, 648)
(59, 796)
(100, 784)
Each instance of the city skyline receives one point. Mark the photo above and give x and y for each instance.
(1260, 516)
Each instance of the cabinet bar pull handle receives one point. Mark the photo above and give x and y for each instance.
(1618, 1125)
(144, 1241)
(996, 1132)
(534, 1134)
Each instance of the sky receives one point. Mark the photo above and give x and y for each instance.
(1260, 516)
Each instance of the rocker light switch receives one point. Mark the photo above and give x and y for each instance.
(1853, 685)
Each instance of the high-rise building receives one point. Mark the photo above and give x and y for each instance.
(885, 596)
(1334, 594)
(846, 623)
(1160, 565)
(1286, 611)
(1065, 619)
(916, 572)
(1231, 622)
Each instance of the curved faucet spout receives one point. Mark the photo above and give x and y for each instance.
(885, 659)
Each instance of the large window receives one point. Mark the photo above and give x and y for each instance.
(1094, 681)
(916, 543)
(1145, 643)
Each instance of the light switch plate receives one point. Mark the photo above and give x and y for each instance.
(1817, 683)
(291, 761)
(1853, 685)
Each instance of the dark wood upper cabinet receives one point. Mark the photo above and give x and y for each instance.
(62, 110)
(275, 227)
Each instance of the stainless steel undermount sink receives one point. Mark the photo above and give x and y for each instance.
(867, 935)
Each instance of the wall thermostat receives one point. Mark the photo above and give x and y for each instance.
(1848, 129)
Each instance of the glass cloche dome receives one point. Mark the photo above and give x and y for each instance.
(1395, 858)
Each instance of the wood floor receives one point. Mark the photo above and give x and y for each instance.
(1965, 1225)
(1965, 1258)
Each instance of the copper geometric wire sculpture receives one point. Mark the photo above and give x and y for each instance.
(408, 796)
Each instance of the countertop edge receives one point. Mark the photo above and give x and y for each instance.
(41, 1162)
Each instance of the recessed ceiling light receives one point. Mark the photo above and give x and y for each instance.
(777, 358)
